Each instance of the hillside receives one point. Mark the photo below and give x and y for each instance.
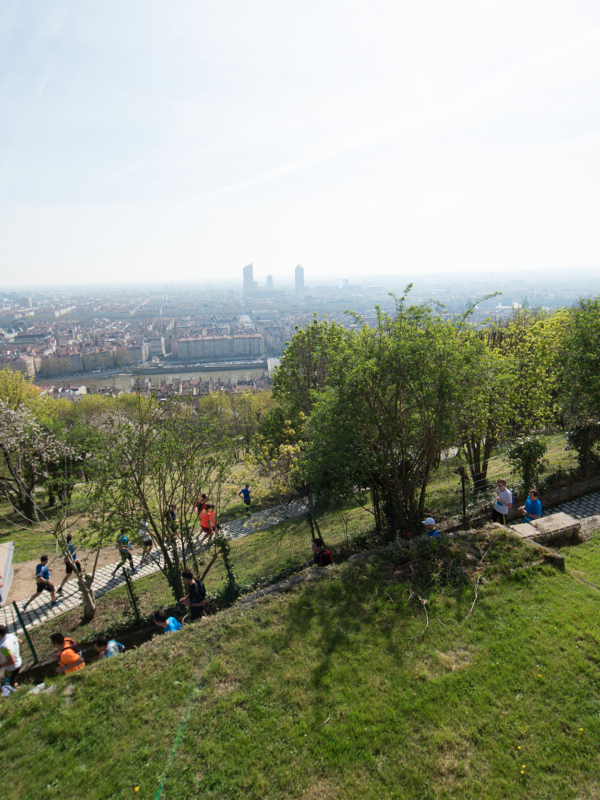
(338, 690)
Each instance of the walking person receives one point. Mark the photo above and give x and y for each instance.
(246, 497)
(72, 557)
(201, 504)
(42, 582)
(503, 502)
(124, 552)
(107, 648)
(69, 657)
(168, 624)
(196, 594)
(10, 654)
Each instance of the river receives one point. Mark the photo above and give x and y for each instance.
(125, 382)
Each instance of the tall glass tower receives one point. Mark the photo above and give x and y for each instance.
(299, 279)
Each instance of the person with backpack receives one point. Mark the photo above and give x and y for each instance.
(321, 556)
(68, 654)
(70, 559)
(123, 547)
(42, 582)
(196, 594)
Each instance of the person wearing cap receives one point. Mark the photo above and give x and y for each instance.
(430, 528)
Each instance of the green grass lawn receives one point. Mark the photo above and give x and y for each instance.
(337, 691)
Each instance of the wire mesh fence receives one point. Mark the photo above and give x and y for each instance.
(261, 556)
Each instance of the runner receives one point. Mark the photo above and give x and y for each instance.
(205, 524)
(42, 578)
(107, 648)
(69, 657)
(213, 522)
(146, 541)
(10, 654)
(196, 594)
(321, 556)
(245, 495)
(201, 504)
(123, 546)
(168, 624)
(68, 566)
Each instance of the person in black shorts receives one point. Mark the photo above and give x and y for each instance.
(196, 594)
(321, 557)
(245, 495)
(68, 566)
(42, 582)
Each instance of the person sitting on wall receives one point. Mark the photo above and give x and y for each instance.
(533, 506)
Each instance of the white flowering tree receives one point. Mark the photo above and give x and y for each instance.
(29, 453)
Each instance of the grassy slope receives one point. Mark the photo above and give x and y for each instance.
(439, 715)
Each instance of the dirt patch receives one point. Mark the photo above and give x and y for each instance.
(322, 790)
(23, 585)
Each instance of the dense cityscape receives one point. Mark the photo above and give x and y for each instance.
(163, 338)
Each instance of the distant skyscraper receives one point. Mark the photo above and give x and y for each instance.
(249, 278)
(299, 279)
(269, 281)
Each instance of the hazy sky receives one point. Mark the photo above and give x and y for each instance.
(153, 140)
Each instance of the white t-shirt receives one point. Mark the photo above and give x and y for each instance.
(10, 644)
(506, 497)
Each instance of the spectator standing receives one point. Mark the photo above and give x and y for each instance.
(196, 594)
(124, 551)
(10, 655)
(107, 648)
(502, 503)
(171, 517)
(168, 624)
(321, 556)
(430, 527)
(69, 657)
(533, 506)
(42, 579)
(246, 497)
(68, 565)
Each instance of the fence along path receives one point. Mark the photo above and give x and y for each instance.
(40, 610)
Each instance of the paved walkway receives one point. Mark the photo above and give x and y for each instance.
(40, 610)
(586, 506)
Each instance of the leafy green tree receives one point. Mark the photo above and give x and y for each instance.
(305, 366)
(393, 399)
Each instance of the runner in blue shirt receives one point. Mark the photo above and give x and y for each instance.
(123, 545)
(42, 579)
(168, 624)
(245, 495)
(533, 507)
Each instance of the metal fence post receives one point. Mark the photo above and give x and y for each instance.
(131, 594)
(25, 631)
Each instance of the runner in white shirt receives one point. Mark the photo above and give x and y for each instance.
(10, 654)
(503, 502)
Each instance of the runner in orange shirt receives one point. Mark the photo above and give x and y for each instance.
(69, 658)
(205, 525)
